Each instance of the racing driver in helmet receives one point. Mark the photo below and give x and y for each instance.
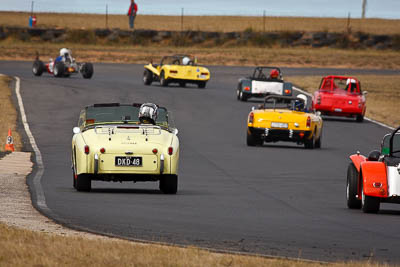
(148, 113)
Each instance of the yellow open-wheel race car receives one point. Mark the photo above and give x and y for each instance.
(284, 118)
(179, 69)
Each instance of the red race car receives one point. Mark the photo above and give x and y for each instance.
(340, 96)
(376, 179)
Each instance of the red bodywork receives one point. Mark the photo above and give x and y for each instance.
(335, 98)
(372, 172)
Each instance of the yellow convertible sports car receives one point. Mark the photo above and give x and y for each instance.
(180, 69)
(284, 118)
(118, 142)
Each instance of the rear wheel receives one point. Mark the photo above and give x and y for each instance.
(352, 188)
(310, 143)
(319, 141)
(202, 85)
(59, 69)
(163, 81)
(360, 118)
(83, 183)
(169, 184)
(369, 204)
(242, 96)
(38, 67)
(147, 77)
(87, 70)
(253, 140)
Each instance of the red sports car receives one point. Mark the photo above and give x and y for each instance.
(376, 179)
(340, 96)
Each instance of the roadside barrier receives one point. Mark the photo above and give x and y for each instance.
(10, 142)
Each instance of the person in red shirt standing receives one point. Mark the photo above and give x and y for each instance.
(132, 13)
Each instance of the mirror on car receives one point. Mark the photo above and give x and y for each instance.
(76, 130)
(175, 131)
(318, 113)
(253, 108)
(365, 92)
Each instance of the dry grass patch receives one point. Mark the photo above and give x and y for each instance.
(226, 55)
(383, 95)
(203, 23)
(27, 248)
(8, 118)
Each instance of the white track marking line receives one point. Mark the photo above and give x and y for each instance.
(368, 119)
(40, 198)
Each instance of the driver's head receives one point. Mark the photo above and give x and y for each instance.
(148, 113)
(301, 96)
(64, 52)
(298, 105)
(185, 61)
(274, 74)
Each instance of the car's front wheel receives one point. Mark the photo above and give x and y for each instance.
(369, 204)
(59, 69)
(169, 184)
(83, 183)
(352, 188)
(87, 70)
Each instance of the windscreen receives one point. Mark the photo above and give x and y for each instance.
(396, 145)
(121, 114)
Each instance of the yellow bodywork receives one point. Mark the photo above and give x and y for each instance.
(181, 72)
(284, 125)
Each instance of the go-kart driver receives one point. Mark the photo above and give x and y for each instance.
(301, 105)
(148, 113)
(274, 74)
(65, 56)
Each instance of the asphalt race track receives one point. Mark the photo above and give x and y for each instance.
(279, 199)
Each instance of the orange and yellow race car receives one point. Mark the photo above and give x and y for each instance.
(284, 118)
(375, 179)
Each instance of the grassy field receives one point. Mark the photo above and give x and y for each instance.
(245, 56)
(203, 23)
(26, 248)
(382, 100)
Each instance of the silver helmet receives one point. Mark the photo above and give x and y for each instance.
(148, 113)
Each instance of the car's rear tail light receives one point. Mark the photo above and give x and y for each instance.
(87, 149)
(287, 91)
(377, 184)
(173, 71)
(308, 122)
(359, 104)
(319, 100)
(102, 150)
(155, 150)
(89, 121)
(247, 88)
(170, 150)
(251, 117)
(301, 134)
(204, 73)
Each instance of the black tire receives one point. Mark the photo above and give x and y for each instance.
(38, 67)
(83, 183)
(87, 70)
(202, 85)
(352, 188)
(59, 69)
(169, 184)
(310, 143)
(318, 143)
(182, 84)
(252, 140)
(360, 118)
(163, 81)
(243, 96)
(369, 204)
(147, 77)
